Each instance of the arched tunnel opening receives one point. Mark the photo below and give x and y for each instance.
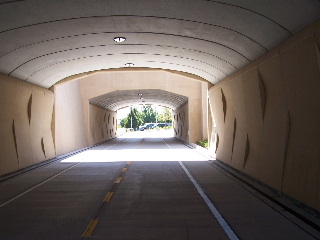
(239, 76)
(139, 110)
(91, 103)
(101, 103)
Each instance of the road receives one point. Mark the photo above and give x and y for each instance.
(144, 185)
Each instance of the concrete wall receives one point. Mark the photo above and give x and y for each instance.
(69, 118)
(79, 124)
(99, 83)
(103, 124)
(268, 117)
(25, 131)
(181, 123)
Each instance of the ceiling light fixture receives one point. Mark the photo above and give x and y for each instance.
(129, 64)
(119, 39)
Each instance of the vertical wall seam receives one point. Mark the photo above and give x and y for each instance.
(43, 148)
(29, 108)
(224, 105)
(217, 143)
(246, 153)
(263, 95)
(234, 136)
(15, 140)
(286, 147)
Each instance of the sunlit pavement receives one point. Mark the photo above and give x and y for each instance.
(137, 187)
(154, 133)
(153, 147)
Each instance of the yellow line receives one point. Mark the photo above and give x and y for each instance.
(108, 197)
(124, 169)
(90, 228)
(140, 143)
(118, 180)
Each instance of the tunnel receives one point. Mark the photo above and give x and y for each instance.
(242, 75)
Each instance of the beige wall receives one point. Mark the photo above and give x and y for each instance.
(25, 131)
(69, 122)
(79, 124)
(268, 117)
(103, 124)
(108, 81)
(65, 121)
(181, 123)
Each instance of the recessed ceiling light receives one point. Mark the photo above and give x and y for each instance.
(119, 39)
(129, 64)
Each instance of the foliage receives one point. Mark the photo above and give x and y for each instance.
(203, 143)
(136, 119)
(122, 122)
(148, 114)
(165, 117)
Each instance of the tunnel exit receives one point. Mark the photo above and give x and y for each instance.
(145, 117)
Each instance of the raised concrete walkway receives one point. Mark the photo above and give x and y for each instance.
(136, 188)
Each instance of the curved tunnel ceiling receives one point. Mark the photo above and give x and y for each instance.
(43, 42)
(123, 98)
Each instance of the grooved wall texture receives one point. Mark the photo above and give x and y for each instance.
(102, 82)
(181, 123)
(103, 124)
(25, 131)
(268, 117)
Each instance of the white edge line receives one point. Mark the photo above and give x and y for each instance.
(30, 189)
(213, 209)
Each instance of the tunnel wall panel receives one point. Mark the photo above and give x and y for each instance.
(181, 123)
(69, 118)
(253, 112)
(103, 124)
(103, 82)
(301, 78)
(275, 101)
(25, 130)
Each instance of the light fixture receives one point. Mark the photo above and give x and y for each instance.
(119, 39)
(129, 64)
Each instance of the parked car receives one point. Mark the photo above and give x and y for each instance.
(162, 125)
(147, 126)
(150, 126)
(141, 128)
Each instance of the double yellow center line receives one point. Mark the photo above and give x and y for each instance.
(90, 228)
(93, 223)
(108, 197)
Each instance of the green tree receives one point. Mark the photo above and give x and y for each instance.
(136, 119)
(122, 122)
(148, 114)
(165, 117)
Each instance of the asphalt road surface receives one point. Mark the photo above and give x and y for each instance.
(144, 185)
